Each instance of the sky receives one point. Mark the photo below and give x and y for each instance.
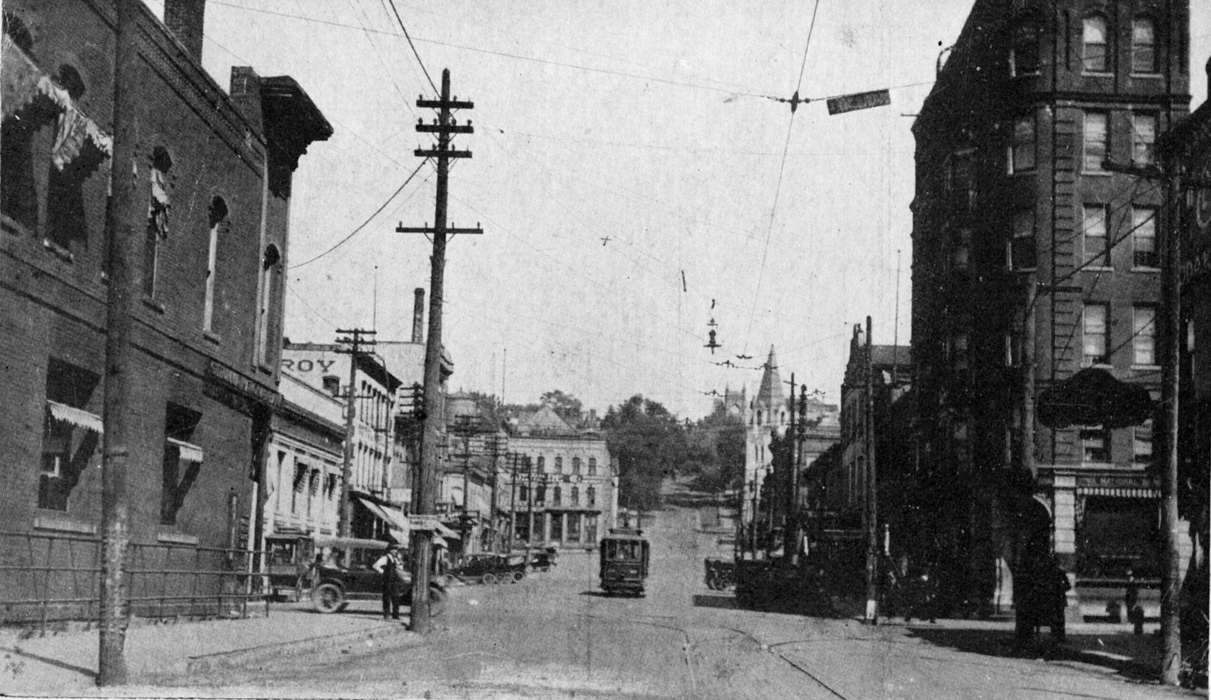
(629, 174)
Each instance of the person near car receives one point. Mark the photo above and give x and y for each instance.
(391, 567)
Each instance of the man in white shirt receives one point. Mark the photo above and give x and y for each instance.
(391, 567)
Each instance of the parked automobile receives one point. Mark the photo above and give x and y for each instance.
(288, 562)
(348, 574)
(491, 568)
(544, 559)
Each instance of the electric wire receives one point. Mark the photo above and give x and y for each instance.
(413, 47)
(365, 223)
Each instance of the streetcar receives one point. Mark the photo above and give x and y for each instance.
(624, 561)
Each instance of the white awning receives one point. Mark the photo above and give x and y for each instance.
(188, 451)
(447, 532)
(76, 416)
(392, 517)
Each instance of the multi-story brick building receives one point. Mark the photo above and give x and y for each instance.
(215, 170)
(1031, 261)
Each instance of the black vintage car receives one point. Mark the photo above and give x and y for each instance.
(337, 582)
(491, 568)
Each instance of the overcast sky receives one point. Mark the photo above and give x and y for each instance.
(641, 122)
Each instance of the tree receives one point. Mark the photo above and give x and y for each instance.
(566, 406)
(649, 444)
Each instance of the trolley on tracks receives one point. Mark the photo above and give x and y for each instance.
(624, 561)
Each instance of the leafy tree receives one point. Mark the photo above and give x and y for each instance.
(566, 406)
(649, 443)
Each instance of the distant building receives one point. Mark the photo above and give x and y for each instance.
(571, 493)
(765, 415)
(214, 173)
(1030, 255)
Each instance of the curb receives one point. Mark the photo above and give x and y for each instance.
(205, 663)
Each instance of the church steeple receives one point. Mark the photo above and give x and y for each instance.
(770, 394)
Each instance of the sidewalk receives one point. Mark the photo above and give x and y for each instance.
(65, 664)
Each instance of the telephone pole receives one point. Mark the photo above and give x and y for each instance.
(872, 491)
(789, 543)
(353, 344)
(514, 458)
(425, 500)
(123, 212)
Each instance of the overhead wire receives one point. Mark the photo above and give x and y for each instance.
(411, 45)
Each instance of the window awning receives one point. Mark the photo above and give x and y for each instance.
(447, 532)
(76, 416)
(24, 83)
(393, 518)
(188, 451)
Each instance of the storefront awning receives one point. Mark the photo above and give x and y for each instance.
(76, 416)
(187, 451)
(447, 532)
(393, 518)
(1119, 492)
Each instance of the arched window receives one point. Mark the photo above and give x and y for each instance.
(269, 270)
(556, 496)
(575, 495)
(1095, 53)
(592, 466)
(1143, 45)
(542, 463)
(591, 494)
(558, 464)
(575, 465)
(157, 217)
(217, 219)
(66, 223)
(1024, 51)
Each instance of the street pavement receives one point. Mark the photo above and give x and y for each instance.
(555, 635)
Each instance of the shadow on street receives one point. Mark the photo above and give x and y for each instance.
(724, 602)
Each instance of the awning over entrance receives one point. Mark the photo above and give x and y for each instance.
(76, 416)
(188, 451)
(393, 518)
(447, 532)
(1119, 492)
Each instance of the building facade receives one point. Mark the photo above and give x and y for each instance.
(570, 497)
(765, 415)
(1031, 261)
(215, 171)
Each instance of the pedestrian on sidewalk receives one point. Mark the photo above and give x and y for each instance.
(391, 567)
(1056, 585)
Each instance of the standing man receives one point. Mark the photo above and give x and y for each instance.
(391, 567)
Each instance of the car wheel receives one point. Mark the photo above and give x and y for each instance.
(489, 579)
(328, 598)
(518, 576)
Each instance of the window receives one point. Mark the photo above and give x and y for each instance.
(540, 494)
(592, 466)
(1095, 444)
(217, 216)
(300, 485)
(1095, 333)
(1021, 148)
(1143, 237)
(556, 528)
(557, 496)
(157, 217)
(1021, 245)
(179, 424)
(70, 434)
(1143, 46)
(575, 495)
(1096, 141)
(590, 528)
(1143, 138)
(573, 527)
(269, 269)
(575, 465)
(1095, 56)
(558, 464)
(590, 495)
(1143, 338)
(332, 384)
(542, 464)
(1142, 450)
(66, 222)
(1097, 246)
(1024, 54)
(523, 493)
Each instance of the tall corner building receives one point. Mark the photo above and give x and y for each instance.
(1032, 261)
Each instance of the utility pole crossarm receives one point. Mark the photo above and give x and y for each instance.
(440, 153)
(429, 230)
(445, 128)
(445, 103)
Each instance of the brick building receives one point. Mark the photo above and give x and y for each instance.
(216, 169)
(1032, 261)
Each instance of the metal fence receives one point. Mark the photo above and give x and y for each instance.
(51, 578)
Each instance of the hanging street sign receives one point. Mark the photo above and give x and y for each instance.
(858, 100)
(427, 523)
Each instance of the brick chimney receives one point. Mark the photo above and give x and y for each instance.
(418, 316)
(185, 19)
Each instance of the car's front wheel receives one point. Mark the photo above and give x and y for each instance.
(328, 598)
(489, 579)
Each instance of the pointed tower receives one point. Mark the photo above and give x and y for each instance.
(766, 414)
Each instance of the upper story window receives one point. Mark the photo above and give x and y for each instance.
(217, 216)
(1024, 52)
(1096, 334)
(542, 464)
(1096, 141)
(269, 270)
(157, 217)
(558, 464)
(1143, 46)
(1021, 244)
(1143, 338)
(1095, 55)
(70, 435)
(592, 466)
(1143, 237)
(1143, 138)
(1022, 145)
(1097, 245)
(575, 465)
(556, 496)
(591, 495)
(1095, 444)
